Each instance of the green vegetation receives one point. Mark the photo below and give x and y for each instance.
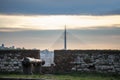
(66, 76)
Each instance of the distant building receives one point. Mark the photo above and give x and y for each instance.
(2, 47)
(48, 57)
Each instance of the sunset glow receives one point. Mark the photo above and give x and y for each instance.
(51, 22)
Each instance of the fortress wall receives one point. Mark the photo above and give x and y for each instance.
(87, 60)
(10, 60)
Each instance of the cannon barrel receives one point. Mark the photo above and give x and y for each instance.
(33, 60)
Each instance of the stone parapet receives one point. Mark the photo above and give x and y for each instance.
(10, 60)
(87, 60)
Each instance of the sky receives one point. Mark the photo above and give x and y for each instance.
(91, 24)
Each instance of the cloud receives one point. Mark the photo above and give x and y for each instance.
(114, 12)
(50, 22)
(7, 29)
(58, 6)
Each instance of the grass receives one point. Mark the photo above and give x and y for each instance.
(65, 76)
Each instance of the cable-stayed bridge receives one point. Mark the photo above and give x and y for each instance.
(68, 40)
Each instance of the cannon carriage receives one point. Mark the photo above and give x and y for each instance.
(32, 65)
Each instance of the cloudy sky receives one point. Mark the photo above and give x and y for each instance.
(91, 24)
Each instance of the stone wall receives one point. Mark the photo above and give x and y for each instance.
(10, 60)
(87, 60)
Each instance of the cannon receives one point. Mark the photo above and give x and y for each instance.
(32, 61)
(32, 65)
